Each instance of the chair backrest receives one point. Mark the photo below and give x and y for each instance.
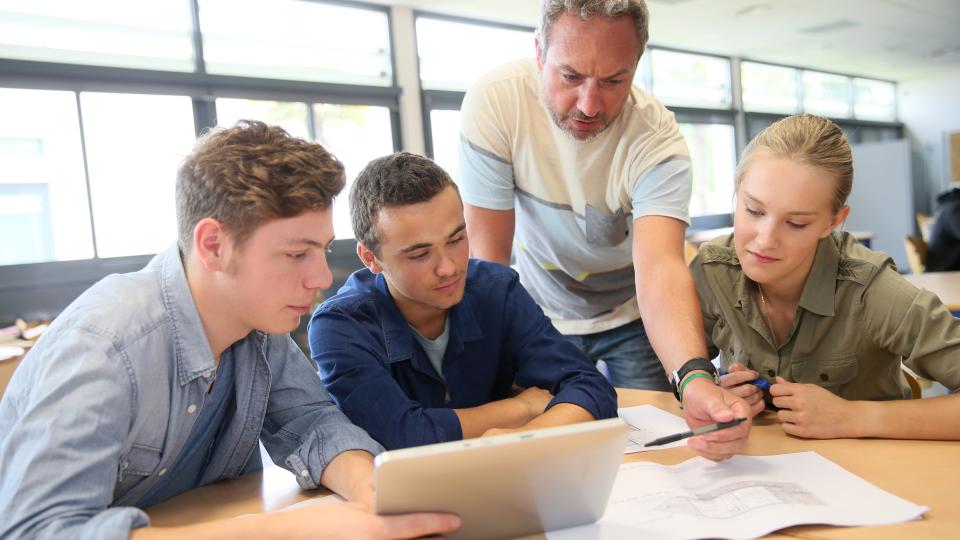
(915, 391)
(916, 253)
(924, 222)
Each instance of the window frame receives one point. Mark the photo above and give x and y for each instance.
(445, 100)
(42, 290)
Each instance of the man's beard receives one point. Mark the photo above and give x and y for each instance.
(560, 121)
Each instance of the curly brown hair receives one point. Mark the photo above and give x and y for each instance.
(249, 174)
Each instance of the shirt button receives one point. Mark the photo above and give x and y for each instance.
(771, 373)
(304, 473)
(824, 377)
(162, 472)
(191, 409)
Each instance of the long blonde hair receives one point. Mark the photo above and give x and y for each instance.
(810, 139)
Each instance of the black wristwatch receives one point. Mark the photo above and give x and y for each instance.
(694, 364)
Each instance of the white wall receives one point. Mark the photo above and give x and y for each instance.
(930, 109)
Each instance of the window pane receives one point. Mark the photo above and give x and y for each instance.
(691, 80)
(290, 116)
(826, 94)
(297, 40)
(356, 134)
(712, 155)
(874, 100)
(769, 88)
(44, 213)
(453, 54)
(99, 32)
(445, 135)
(133, 168)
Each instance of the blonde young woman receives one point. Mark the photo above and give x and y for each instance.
(790, 300)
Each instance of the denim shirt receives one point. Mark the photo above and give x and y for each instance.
(104, 403)
(383, 380)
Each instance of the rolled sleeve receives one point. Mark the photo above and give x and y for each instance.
(914, 324)
(548, 360)
(484, 179)
(664, 190)
(353, 367)
(304, 430)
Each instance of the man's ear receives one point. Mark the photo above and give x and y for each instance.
(368, 259)
(838, 218)
(536, 45)
(211, 244)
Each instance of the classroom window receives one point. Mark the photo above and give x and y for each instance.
(156, 37)
(132, 167)
(296, 40)
(44, 214)
(691, 80)
(712, 157)
(291, 116)
(826, 94)
(453, 54)
(768, 88)
(874, 100)
(355, 134)
(445, 135)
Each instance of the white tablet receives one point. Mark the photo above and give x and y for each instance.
(507, 485)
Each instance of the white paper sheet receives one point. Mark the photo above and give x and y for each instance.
(743, 497)
(648, 423)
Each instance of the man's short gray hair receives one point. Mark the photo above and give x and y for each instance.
(551, 10)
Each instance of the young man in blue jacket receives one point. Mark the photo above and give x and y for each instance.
(159, 381)
(425, 345)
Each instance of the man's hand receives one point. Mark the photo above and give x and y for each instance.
(350, 475)
(706, 403)
(807, 410)
(738, 380)
(536, 400)
(347, 521)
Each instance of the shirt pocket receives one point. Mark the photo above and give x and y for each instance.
(830, 372)
(139, 463)
(606, 230)
(732, 350)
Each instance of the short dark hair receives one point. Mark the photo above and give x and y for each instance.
(396, 180)
(249, 174)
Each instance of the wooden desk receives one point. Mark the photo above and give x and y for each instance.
(7, 367)
(923, 472)
(946, 285)
(698, 237)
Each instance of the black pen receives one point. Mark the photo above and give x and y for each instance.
(699, 431)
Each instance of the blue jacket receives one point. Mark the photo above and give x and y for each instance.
(103, 405)
(380, 376)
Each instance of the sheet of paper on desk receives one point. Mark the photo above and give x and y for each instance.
(647, 423)
(743, 497)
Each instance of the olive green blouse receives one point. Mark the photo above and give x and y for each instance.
(857, 318)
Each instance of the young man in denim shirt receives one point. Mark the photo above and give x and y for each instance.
(163, 380)
(425, 345)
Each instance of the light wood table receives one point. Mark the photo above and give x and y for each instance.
(7, 367)
(923, 472)
(946, 285)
